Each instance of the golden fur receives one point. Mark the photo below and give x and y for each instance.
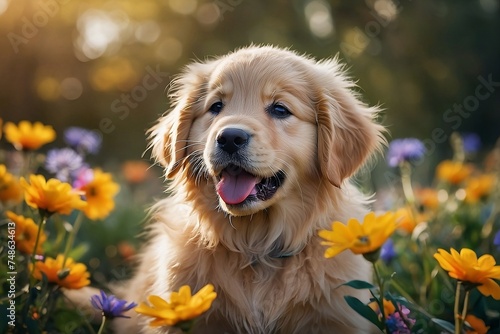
(264, 257)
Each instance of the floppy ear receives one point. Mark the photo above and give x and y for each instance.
(168, 137)
(347, 132)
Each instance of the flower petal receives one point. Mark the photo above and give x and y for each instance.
(490, 287)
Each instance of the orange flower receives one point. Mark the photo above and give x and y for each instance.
(479, 187)
(477, 325)
(359, 238)
(10, 188)
(389, 307)
(453, 172)
(428, 197)
(99, 194)
(51, 196)
(466, 267)
(72, 276)
(126, 250)
(135, 171)
(181, 307)
(28, 136)
(407, 221)
(26, 231)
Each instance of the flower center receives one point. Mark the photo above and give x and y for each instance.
(92, 192)
(364, 239)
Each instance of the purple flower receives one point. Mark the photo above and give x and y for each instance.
(496, 240)
(396, 324)
(63, 162)
(404, 150)
(82, 176)
(83, 140)
(471, 142)
(111, 306)
(387, 252)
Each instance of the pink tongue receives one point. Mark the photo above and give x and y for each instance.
(235, 185)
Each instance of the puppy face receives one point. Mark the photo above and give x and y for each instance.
(264, 124)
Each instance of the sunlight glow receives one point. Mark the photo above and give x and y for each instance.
(147, 32)
(386, 9)
(71, 88)
(208, 14)
(4, 4)
(170, 50)
(185, 7)
(319, 18)
(99, 30)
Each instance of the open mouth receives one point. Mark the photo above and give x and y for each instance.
(236, 185)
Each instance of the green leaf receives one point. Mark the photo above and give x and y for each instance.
(448, 326)
(356, 284)
(364, 310)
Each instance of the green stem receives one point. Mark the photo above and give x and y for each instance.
(458, 147)
(101, 329)
(381, 297)
(50, 301)
(26, 167)
(71, 237)
(44, 218)
(456, 309)
(488, 225)
(466, 304)
(405, 169)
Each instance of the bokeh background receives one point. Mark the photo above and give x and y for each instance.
(432, 65)
(88, 63)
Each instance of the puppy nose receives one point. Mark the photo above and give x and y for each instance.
(231, 140)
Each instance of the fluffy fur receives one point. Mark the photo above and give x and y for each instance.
(263, 257)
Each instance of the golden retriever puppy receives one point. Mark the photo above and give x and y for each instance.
(259, 148)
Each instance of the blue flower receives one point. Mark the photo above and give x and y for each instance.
(83, 140)
(471, 142)
(387, 252)
(111, 306)
(63, 162)
(496, 240)
(404, 150)
(396, 324)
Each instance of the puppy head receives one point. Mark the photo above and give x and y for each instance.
(263, 124)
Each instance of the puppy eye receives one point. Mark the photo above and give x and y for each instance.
(277, 110)
(216, 108)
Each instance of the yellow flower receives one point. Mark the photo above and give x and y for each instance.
(477, 325)
(359, 238)
(28, 136)
(99, 194)
(51, 196)
(466, 267)
(10, 188)
(181, 307)
(26, 231)
(479, 187)
(73, 275)
(453, 172)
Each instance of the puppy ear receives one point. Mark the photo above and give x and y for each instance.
(168, 138)
(347, 132)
